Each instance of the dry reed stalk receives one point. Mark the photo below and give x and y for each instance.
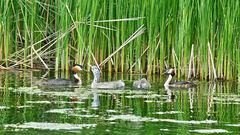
(139, 57)
(40, 58)
(137, 33)
(190, 68)
(120, 20)
(213, 67)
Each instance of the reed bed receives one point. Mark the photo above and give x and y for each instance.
(57, 33)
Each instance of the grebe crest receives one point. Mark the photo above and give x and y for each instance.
(77, 68)
(171, 71)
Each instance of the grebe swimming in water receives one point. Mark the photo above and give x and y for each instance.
(181, 84)
(141, 84)
(104, 85)
(65, 82)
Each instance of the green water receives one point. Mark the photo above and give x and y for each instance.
(211, 108)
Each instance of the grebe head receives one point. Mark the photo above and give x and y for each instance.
(95, 70)
(171, 71)
(76, 68)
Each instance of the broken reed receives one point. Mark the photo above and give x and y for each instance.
(41, 31)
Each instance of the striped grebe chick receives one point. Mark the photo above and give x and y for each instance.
(141, 84)
(96, 84)
(65, 82)
(181, 84)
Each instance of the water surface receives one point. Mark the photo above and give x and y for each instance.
(211, 108)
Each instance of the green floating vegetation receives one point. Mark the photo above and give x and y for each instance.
(57, 33)
(50, 126)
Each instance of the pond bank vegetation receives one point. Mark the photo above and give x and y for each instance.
(201, 38)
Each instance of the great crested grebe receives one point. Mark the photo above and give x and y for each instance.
(180, 84)
(65, 82)
(104, 85)
(142, 84)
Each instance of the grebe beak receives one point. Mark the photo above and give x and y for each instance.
(96, 66)
(81, 68)
(77, 67)
(90, 65)
(84, 70)
(167, 71)
(164, 73)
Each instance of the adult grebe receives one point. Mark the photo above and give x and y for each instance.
(181, 84)
(65, 82)
(141, 84)
(104, 85)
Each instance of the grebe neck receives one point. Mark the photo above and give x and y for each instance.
(77, 78)
(96, 78)
(168, 80)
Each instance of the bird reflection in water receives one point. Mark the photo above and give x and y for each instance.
(95, 102)
(171, 97)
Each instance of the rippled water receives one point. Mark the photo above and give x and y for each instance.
(211, 108)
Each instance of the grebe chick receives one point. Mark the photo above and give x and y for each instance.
(104, 85)
(65, 82)
(180, 84)
(142, 84)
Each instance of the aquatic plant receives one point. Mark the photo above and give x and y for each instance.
(55, 34)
